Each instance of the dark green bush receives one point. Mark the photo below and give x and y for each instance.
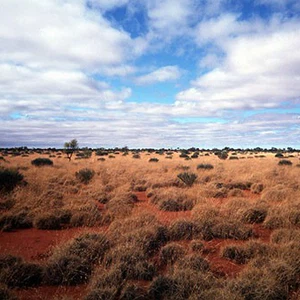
(38, 162)
(9, 179)
(279, 155)
(85, 175)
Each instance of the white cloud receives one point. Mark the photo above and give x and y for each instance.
(259, 71)
(168, 18)
(60, 34)
(167, 73)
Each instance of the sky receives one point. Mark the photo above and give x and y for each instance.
(150, 73)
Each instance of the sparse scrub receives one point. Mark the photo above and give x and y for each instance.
(39, 162)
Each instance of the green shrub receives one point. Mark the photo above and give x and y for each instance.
(187, 178)
(85, 175)
(9, 179)
(279, 155)
(136, 156)
(38, 162)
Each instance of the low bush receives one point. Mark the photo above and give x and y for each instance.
(38, 162)
(72, 264)
(205, 166)
(14, 272)
(254, 215)
(133, 292)
(86, 216)
(67, 270)
(153, 159)
(194, 262)
(163, 287)
(285, 162)
(18, 220)
(170, 253)
(181, 230)
(48, 221)
(85, 175)
(136, 156)
(9, 179)
(187, 178)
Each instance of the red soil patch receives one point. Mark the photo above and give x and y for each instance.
(262, 233)
(219, 265)
(35, 244)
(50, 292)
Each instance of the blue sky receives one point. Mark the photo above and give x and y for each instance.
(150, 73)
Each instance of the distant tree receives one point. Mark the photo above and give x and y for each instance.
(71, 147)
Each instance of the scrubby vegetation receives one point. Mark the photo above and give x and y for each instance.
(42, 162)
(197, 226)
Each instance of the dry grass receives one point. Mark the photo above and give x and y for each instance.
(166, 246)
